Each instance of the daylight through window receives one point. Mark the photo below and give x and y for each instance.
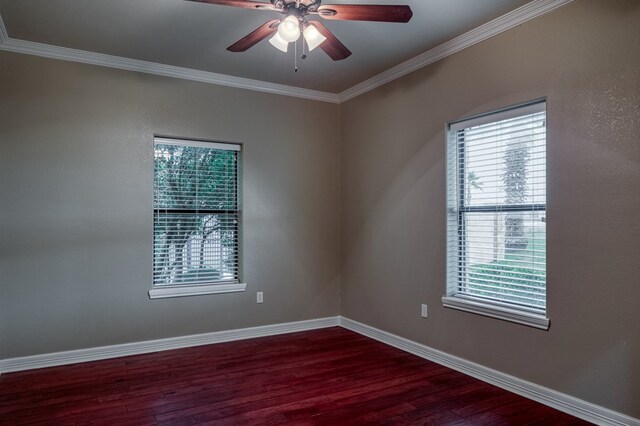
(195, 213)
(496, 256)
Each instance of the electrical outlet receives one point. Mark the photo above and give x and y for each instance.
(423, 311)
(259, 297)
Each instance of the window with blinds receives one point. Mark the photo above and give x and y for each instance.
(496, 236)
(195, 213)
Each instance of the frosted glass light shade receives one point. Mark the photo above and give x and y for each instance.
(279, 43)
(289, 29)
(313, 37)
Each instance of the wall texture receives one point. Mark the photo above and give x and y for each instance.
(585, 59)
(76, 194)
(76, 173)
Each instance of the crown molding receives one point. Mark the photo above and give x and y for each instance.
(503, 23)
(110, 61)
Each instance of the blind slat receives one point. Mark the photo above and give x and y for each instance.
(199, 247)
(496, 225)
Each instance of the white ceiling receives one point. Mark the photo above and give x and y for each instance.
(195, 35)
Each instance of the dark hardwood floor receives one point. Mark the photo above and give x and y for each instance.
(329, 377)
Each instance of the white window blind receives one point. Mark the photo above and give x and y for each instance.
(496, 232)
(196, 213)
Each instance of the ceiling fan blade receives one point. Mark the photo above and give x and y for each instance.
(245, 4)
(331, 46)
(254, 37)
(366, 12)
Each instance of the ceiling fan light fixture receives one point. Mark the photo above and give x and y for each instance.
(279, 43)
(295, 23)
(289, 29)
(313, 37)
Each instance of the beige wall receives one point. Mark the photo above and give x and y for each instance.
(585, 59)
(76, 182)
(76, 175)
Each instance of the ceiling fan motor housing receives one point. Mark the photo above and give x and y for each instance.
(304, 6)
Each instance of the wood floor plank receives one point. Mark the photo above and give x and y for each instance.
(323, 377)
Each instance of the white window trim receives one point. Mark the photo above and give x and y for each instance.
(170, 291)
(195, 290)
(476, 305)
(500, 115)
(199, 144)
(480, 307)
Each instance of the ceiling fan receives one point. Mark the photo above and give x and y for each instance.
(287, 30)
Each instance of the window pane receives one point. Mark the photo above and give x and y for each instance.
(193, 248)
(195, 178)
(504, 257)
(195, 215)
(496, 198)
(504, 163)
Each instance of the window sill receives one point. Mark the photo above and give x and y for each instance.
(195, 290)
(490, 310)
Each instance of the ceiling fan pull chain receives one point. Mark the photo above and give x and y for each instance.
(304, 55)
(295, 55)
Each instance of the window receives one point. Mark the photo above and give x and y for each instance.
(196, 218)
(496, 215)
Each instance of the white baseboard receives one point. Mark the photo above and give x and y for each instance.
(115, 351)
(568, 404)
(560, 401)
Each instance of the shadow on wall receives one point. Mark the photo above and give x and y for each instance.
(398, 181)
